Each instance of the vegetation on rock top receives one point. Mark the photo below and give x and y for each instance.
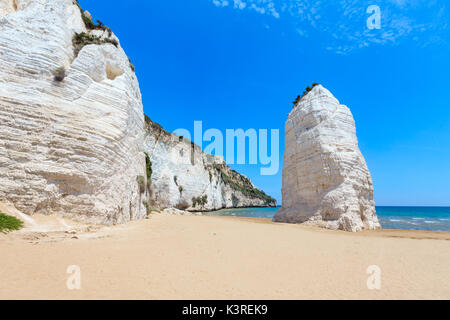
(245, 186)
(90, 25)
(82, 39)
(132, 67)
(156, 126)
(248, 191)
(307, 90)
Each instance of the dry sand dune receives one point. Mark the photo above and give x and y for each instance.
(190, 257)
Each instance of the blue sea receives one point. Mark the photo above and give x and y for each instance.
(409, 218)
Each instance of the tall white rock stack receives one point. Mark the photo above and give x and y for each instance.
(326, 181)
(74, 147)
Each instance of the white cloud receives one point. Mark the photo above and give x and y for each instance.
(239, 4)
(220, 3)
(260, 6)
(342, 23)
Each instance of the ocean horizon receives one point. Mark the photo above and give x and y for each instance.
(391, 217)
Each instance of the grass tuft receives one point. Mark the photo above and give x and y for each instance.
(9, 223)
(149, 208)
(59, 74)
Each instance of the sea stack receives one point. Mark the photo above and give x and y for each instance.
(326, 181)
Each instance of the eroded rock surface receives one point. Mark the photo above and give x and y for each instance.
(184, 177)
(72, 127)
(72, 147)
(326, 181)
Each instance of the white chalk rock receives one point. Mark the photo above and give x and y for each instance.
(183, 173)
(75, 147)
(326, 181)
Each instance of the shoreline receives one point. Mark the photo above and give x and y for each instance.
(234, 208)
(392, 233)
(385, 220)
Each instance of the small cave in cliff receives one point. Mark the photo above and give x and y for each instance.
(113, 72)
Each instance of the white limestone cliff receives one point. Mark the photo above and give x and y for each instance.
(74, 147)
(326, 181)
(73, 144)
(182, 173)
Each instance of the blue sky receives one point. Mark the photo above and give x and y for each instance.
(240, 63)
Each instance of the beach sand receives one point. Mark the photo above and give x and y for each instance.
(199, 257)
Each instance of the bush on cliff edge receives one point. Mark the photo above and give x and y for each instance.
(307, 90)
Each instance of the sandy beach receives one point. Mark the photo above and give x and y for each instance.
(198, 257)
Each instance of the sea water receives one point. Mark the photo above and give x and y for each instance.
(409, 218)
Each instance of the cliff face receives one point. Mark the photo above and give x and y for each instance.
(72, 147)
(325, 177)
(186, 178)
(72, 127)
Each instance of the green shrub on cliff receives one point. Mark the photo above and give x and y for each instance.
(307, 90)
(132, 67)
(101, 26)
(79, 40)
(149, 208)
(148, 169)
(9, 223)
(141, 183)
(251, 192)
(59, 74)
(89, 24)
(199, 201)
